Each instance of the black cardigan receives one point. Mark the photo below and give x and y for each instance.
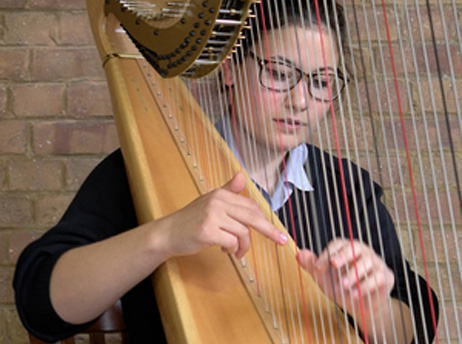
(103, 208)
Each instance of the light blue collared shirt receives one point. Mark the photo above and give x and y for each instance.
(293, 176)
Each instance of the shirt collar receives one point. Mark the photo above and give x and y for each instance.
(294, 175)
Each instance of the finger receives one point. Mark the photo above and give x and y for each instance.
(358, 272)
(372, 286)
(229, 243)
(330, 256)
(268, 230)
(378, 282)
(307, 260)
(349, 253)
(236, 184)
(227, 196)
(242, 234)
(354, 252)
(257, 221)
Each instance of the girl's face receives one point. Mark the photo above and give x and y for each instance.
(271, 107)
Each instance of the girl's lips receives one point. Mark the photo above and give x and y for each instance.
(288, 124)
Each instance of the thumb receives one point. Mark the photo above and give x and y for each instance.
(236, 184)
(307, 260)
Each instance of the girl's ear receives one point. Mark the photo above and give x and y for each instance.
(227, 74)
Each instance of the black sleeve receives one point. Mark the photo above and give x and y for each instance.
(409, 286)
(102, 208)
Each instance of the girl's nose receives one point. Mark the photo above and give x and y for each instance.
(298, 96)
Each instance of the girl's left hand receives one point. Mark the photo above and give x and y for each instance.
(350, 271)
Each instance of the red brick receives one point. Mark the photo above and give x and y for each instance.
(4, 240)
(77, 170)
(388, 173)
(74, 138)
(64, 64)
(14, 63)
(15, 211)
(375, 19)
(435, 174)
(89, 99)
(3, 102)
(13, 136)
(3, 328)
(426, 61)
(423, 27)
(452, 313)
(2, 177)
(440, 271)
(416, 133)
(50, 208)
(13, 3)
(380, 101)
(30, 28)
(434, 94)
(426, 207)
(33, 175)
(16, 332)
(18, 242)
(38, 100)
(349, 129)
(58, 4)
(385, 64)
(75, 29)
(445, 250)
(6, 290)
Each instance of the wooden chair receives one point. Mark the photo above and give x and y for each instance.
(110, 322)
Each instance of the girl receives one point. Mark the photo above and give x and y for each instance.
(98, 253)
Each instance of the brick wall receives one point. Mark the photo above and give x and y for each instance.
(430, 122)
(56, 124)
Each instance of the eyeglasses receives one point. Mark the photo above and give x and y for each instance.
(282, 77)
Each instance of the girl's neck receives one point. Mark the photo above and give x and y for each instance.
(261, 163)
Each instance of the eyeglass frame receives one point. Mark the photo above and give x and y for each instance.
(263, 62)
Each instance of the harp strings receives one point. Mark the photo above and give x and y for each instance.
(362, 131)
(276, 10)
(434, 177)
(261, 46)
(395, 135)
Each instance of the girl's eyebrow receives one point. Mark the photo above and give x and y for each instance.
(291, 63)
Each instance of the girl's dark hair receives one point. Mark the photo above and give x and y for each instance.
(278, 13)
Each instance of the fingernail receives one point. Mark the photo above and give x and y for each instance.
(283, 238)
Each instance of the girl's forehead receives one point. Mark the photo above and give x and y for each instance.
(306, 46)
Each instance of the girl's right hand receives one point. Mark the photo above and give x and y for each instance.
(221, 217)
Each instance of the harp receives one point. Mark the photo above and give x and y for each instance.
(152, 51)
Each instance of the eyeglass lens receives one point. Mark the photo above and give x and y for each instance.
(282, 77)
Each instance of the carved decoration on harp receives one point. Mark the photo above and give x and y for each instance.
(191, 38)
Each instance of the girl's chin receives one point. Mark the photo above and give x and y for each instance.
(277, 144)
(286, 146)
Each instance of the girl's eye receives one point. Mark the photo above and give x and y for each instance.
(278, 72)
(320, 81)
(280, 75)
